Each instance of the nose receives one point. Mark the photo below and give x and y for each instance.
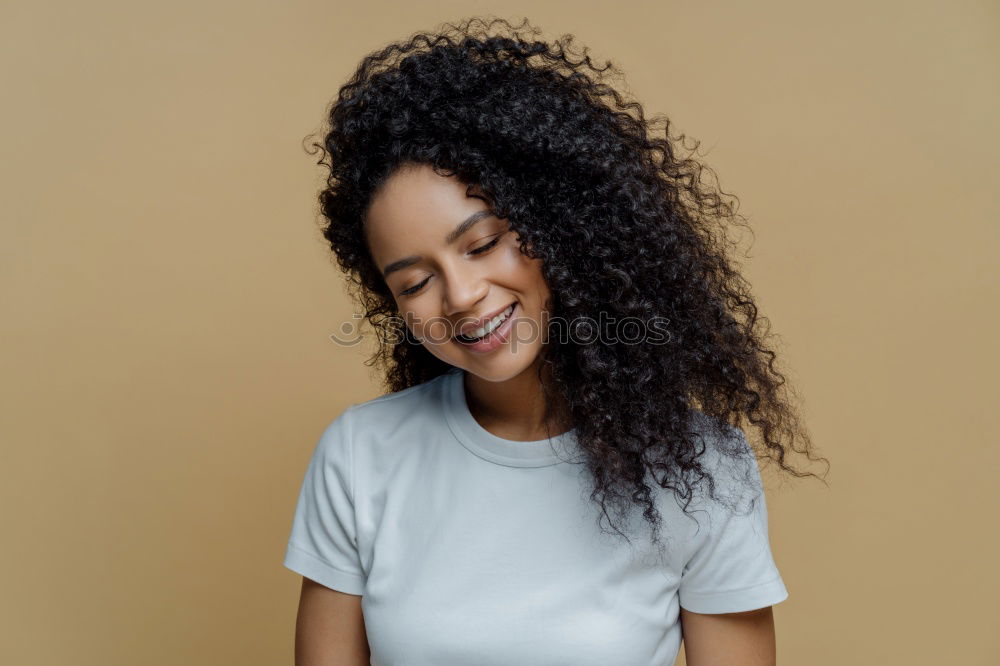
(464, 288)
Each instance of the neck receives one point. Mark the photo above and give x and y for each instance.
(513, 409)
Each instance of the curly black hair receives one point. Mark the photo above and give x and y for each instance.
(624, 226)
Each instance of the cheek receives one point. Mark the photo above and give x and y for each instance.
(428, 327)
(522, 269)
(530, 274)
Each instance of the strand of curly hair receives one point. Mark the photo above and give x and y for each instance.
(624, 226)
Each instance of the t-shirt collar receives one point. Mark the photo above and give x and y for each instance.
(486, 445)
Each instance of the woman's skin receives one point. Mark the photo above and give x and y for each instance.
(459, 280)
(412, 216)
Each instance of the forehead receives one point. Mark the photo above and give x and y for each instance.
(417, 204)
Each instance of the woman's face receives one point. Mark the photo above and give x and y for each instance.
(449, 264)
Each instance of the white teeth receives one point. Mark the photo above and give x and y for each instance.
(492, 324)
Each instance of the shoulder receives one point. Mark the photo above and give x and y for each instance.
(726, 456)
(386, 426)
(383, 426)
(390, 410)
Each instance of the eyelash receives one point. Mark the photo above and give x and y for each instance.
(483, 248)
(479, 250)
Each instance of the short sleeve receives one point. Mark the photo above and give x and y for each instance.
(730, 568)
(323, 543)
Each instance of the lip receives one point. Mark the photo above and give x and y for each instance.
(468, 329)
(496, 339)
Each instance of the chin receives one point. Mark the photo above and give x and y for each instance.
(499, 367)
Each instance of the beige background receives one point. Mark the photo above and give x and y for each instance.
(167, 302)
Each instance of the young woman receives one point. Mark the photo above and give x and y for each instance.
(559, 471)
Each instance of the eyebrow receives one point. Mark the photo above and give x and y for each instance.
(452, 236)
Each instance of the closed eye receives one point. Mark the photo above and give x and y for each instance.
(415, 288)
(484, 248)
(479, 250)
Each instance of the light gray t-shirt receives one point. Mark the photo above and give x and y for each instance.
(472, 549)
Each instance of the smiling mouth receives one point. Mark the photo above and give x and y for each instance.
(461, 337)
